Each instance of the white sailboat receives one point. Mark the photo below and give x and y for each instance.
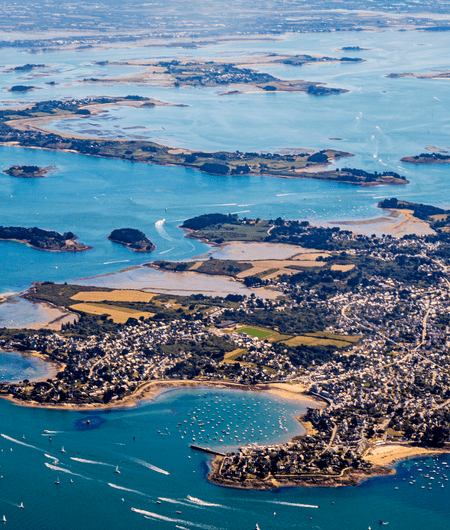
(117, 470)
(62, 449)
(4, 519)
(21, 505)
(57, 481)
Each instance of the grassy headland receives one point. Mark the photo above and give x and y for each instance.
(23, 127)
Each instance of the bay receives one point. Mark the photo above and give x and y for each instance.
(15, 367)
(91, 494)
(380, 120)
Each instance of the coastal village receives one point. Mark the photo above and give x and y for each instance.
(379, 367)
(220, 308)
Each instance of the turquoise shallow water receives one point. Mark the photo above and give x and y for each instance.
(379, 120)
(15, 367)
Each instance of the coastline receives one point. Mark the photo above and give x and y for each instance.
(53, 366)
(349, 477)
(151, 389)
(381, 457)
(396, 223)
(56, 316)
(77, 246)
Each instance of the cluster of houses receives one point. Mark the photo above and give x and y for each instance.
(393, 385)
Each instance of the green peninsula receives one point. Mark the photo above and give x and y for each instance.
(24, 127)
(437, 218)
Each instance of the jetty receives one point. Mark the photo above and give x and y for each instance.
(206, 450)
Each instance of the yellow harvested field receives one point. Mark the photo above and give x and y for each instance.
(335, 336)
(120, 295)
(304, 340)
(310, 256)
(279, 267)
(343, 268)
(119, 315)
(231, 356)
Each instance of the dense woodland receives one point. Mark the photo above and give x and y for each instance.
(132, 238)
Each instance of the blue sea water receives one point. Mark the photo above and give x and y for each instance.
(380, 120)
(156, 464)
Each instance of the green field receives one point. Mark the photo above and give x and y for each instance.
(255, 332)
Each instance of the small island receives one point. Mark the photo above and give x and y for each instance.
(43, 239)
(352, 49)
(28, 172)
(26, 67)
(21, 88)
(238, 72)
(427, 158)
(133, 239)
(436, 74)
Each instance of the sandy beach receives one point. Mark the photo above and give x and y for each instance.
(397, 223)
(151, 389)
(55, 318)
(385, 455)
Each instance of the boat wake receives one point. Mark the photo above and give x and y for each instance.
(63, 470)
(111, 262)
(151, 515)
(149, 466)
(199, 502)
(115, 486)
(173, 501)
(84, 461)
(53, 432)
(293, 504)
(165, 251)
(6, 437)
(161, 230)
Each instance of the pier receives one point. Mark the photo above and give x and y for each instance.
(206, 450)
